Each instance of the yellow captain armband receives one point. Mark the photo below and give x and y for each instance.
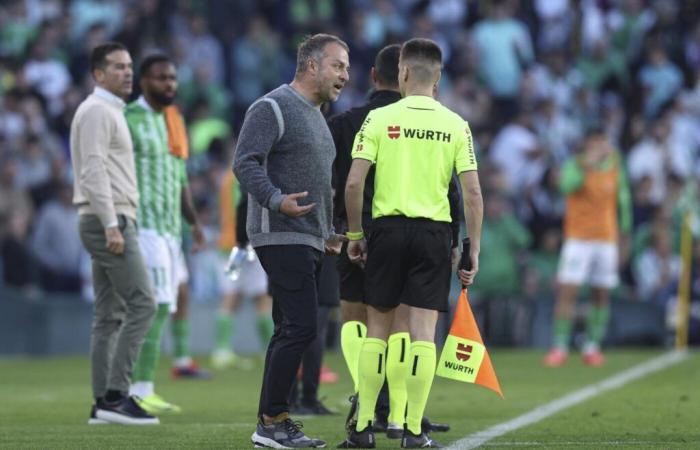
(355, 235)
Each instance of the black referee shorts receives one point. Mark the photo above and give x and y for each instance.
(408, 262)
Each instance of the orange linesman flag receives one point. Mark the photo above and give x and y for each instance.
(464, 356)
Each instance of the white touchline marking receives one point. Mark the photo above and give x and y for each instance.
(567, 443)
(574, 398)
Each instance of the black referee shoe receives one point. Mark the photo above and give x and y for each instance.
(359, 439)
(422, 440)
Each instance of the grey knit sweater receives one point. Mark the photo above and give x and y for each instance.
(285, 147)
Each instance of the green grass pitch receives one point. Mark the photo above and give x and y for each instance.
(44, 404)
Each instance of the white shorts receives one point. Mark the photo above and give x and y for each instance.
(592, 262)
(164, 262)
(252, 281)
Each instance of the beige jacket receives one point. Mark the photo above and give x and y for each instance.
(103, 159)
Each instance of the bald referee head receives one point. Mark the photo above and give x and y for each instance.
(420, 64)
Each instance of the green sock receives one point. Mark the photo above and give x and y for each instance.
(562, 333)
(265, 328)
(397, 369)
(352, 335)
(371, 369)
(422, 362)
(181, 337)
(147, 361)
(597, 324)
(224, 330)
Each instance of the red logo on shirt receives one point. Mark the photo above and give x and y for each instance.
(394, 132)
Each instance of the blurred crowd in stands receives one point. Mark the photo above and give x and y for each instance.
(530, 77)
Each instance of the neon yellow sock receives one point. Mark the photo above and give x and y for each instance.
(420, 379)
(397, 368)
(371, 371)
(352, 335)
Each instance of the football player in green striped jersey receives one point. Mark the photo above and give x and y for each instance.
(162, 182)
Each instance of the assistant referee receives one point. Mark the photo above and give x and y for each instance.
(416, 144)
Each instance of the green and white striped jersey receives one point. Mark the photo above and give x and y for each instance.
(160, 175)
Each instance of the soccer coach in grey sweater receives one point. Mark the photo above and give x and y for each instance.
(283, 159)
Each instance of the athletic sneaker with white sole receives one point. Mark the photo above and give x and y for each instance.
(93, 420)
(124, 412)
(284, 434)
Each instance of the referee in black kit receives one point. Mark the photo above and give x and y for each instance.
(344, 127)
(416, 145)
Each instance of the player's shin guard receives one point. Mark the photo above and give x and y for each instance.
(352, 336)
(371, 370)
(145, 367)
(397, 369)
(421, 362)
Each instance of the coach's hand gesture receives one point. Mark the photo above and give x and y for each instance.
(115, 240)
(290, 207)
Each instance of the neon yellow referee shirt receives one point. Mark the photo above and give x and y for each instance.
(415, 144)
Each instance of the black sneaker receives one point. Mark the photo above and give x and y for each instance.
(349, 420)
(93, 420)
(429, 426)
(422, 440)
(285, 434)
(315, 408)
(125, 412)
(359, 439)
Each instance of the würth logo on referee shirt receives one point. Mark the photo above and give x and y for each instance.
(394, 132)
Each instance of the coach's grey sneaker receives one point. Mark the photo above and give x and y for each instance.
(422, 440)
(284, 434)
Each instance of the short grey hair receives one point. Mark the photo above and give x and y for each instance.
(312, 48)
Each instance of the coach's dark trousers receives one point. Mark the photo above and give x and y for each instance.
(294, 275)
(124, 304)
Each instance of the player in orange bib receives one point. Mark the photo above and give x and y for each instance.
(597, 191)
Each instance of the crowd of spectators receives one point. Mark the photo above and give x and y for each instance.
(530, 77)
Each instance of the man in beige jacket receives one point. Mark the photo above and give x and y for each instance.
(107, 197)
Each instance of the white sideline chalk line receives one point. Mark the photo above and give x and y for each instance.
(542, 412)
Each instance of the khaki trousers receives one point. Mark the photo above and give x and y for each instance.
(124, 304)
